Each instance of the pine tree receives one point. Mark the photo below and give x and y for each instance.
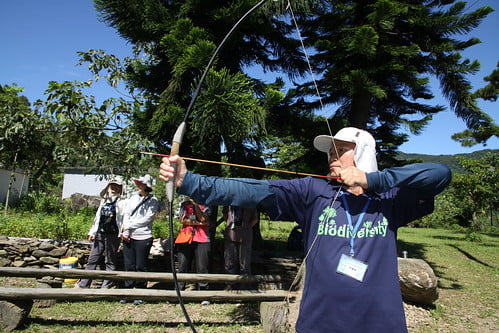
(178, 38)
(376, 57)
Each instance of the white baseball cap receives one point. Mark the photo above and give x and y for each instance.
(365, 146)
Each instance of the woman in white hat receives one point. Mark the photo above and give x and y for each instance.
(349, 227)
(136, 233)
(104, 231)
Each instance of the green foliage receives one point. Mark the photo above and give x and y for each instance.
(377, 58)
(478, 187)
(472, 200)
(63, 225)
(227, 113)
(40, 202)
(491, 90)
(24, 141)
(474, 237)
(446, 213)
(100, 134)
(450, 160)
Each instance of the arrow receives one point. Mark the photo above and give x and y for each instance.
(243, 166)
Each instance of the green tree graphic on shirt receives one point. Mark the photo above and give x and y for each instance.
(327, 214)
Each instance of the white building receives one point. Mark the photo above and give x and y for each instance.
(76, 181)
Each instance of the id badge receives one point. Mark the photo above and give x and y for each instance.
(352, 267)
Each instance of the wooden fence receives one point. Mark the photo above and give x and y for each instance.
(16, 303)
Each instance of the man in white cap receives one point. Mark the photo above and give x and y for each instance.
(349, 226)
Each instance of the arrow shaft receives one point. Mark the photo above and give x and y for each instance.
(244, 166)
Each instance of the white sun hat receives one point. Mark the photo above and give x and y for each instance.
(365, 146)
(146, 179)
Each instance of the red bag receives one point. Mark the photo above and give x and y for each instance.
(185, 236)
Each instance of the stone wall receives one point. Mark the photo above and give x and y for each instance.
(46, 253)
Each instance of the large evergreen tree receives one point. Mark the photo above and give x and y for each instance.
(375, 59)
(178, 38)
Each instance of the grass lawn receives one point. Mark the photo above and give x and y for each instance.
(467, 274)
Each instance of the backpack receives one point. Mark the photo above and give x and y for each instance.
(295, 239)
(107, 223)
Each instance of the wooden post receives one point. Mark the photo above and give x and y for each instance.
(14, 294)
(13, 313)
(280, 317)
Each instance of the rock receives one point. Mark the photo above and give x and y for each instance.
(49, 260)
(13, 313)
(418, 282)
(58, 252)
(5, 262)
(21, 249)
(46, 246)
(5, 241)
(79, 200)
(19, 263)
(40, 253)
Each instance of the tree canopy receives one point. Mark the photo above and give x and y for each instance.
(373, 61)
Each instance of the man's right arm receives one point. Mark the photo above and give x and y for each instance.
(243, 192)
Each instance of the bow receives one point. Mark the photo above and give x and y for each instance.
(175, 149)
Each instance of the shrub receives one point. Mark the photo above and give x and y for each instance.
(40, 202)
(472, 236)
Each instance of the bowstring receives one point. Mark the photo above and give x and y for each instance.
(312, 75)
(316, 86)
(307, 59)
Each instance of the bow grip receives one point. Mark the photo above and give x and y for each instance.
(177, 140)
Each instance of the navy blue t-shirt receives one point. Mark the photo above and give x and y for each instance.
(332, 302)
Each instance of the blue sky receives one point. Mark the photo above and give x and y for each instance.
(40, 40)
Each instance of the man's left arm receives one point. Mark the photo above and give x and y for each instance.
(428, 178)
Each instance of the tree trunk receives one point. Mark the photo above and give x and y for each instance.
(11, 180)
(474, 221)
(359, 115)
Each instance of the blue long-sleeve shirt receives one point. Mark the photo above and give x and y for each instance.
(428, 179)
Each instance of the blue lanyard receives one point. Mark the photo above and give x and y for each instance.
(353, 229)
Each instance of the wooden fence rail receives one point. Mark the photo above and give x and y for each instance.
(153, 295)
(16, 303)
(138, 276)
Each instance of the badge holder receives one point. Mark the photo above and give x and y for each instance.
(352, 267)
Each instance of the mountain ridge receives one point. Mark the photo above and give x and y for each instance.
(448, 159)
